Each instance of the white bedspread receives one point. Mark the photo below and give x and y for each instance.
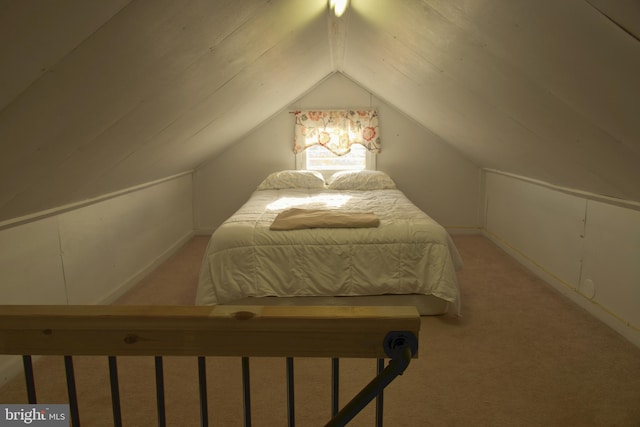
(409, 253)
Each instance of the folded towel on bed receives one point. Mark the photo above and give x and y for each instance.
(296, 218)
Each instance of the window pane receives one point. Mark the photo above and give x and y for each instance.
(319, 158)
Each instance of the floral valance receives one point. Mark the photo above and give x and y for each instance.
(336, 130)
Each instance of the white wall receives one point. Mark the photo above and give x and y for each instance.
(434, 176)
(584, 245)
(92, 254)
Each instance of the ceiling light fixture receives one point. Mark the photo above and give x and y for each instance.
(338, 6)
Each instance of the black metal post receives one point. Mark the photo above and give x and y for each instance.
(246, 391)
(71, 391)
(335, 386)
(30, 379)
(291, 413)
(202, 382)
(115, 392)
(162, 420)
(380, 397)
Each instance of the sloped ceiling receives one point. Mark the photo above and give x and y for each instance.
(103, 95)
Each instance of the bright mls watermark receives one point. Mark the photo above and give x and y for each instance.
(34, 415)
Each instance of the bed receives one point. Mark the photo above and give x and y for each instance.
(354, 239)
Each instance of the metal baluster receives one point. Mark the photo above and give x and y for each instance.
(71, 390)
(162, 422)
(335, 386)
(202, 381)
(246, 391)
(380, 397)
(29, 378)
(290, 393)
(115, 392)
(400, 347)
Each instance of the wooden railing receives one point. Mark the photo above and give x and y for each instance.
(243, 331)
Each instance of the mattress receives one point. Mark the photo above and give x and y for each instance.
(408, 253)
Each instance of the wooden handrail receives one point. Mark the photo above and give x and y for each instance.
(271, 331)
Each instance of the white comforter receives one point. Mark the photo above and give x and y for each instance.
(409, 253)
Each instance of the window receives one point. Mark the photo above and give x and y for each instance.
(336, 140)
(321, 159)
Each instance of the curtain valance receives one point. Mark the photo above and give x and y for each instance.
(336, 130)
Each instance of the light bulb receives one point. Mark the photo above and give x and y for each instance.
(339, 6)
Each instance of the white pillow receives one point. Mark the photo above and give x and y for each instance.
(360, 180)
(292, 179)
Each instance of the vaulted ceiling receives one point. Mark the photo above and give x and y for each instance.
(103, 95)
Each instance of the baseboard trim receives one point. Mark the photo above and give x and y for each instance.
(203, 231)
(127, 285)
(463, 230)
(569, 291)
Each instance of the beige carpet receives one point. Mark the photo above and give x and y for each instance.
(521, 355)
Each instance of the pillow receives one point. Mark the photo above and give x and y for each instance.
(360, 180)
(292, 179)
